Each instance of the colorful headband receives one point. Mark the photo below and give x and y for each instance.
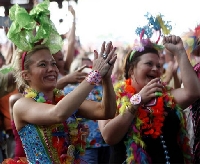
(23, 59)
(191, 39)
(28, 30)
(155, 24)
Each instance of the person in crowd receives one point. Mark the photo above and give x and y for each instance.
(7, 83)
(46, 120)
(7, 87)
(192, 46)
(97, 151)
(64, 60)
(149, 126)
(170, 70)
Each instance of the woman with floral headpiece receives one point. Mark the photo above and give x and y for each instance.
(149, 126)
(48, 122)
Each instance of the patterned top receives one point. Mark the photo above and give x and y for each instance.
(50, 144)
(95, 139)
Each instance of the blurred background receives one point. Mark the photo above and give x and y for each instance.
(116, 20)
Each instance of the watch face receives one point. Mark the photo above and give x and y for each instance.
(135, 99)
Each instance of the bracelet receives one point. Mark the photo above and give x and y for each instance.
(93, 77)
(130, 109)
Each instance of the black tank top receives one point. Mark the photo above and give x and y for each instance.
(154, 147)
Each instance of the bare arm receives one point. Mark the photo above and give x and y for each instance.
(114, 130)
(107, 108)
(103, 110)
(71, 43)
(191, 91)
(12, 100)
(26, 110)
(75, 77)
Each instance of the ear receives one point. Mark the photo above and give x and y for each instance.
(26, 75)
(131, 71)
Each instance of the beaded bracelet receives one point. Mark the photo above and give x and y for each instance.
(93, 77)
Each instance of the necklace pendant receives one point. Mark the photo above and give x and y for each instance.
(149, 109)
(70, 153)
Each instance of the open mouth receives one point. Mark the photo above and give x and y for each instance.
(51, 77)
(151, 77)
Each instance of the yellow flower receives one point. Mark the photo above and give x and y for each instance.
(31, 94)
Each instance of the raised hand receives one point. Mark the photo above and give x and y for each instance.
(71, 9)
(173, 44)
(148, 91)
(104, 61)
(77, 76)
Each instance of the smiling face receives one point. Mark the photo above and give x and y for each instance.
(43, 72)
(146, 69)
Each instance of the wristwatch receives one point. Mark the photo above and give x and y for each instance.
(136, 99)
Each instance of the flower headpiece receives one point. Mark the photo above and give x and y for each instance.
(155, 24)
(30, 29)
(191, 39)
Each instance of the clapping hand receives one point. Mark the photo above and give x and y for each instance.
(104, 61)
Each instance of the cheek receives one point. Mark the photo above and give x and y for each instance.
(56, 69)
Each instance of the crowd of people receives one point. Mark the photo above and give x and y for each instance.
(135, 104)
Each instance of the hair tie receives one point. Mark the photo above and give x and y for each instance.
(23, 59)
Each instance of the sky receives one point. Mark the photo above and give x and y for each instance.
(116, 20)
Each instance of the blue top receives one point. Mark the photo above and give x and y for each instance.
(52, 144)
(95, 139)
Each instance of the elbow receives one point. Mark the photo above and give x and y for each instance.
(59, 117)
(194, 96)
(110, 140)
(110, 115)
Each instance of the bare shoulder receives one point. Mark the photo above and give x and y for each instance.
(22, 104)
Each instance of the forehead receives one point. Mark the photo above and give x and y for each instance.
(149, 56)
(40, 55)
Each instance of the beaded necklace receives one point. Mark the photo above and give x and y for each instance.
(142, 126)
(65, 139)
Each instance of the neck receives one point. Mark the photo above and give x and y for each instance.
(135, 84)
(48, 94)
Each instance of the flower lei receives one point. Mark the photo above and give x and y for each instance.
(141, 126)
(151, 118)
(73, 128)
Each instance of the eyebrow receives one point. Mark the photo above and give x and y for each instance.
(52, 60)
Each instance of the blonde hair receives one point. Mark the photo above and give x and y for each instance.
(21, 83)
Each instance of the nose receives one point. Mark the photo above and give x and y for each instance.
(52, 68)
(155, 68)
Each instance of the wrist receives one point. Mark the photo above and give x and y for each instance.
(136, 99)
(94, 77)
(133, 109)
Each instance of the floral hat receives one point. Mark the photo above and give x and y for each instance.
(154, 24)
(33, 28)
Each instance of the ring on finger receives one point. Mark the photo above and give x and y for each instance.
(109, 63)
(104, 56)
